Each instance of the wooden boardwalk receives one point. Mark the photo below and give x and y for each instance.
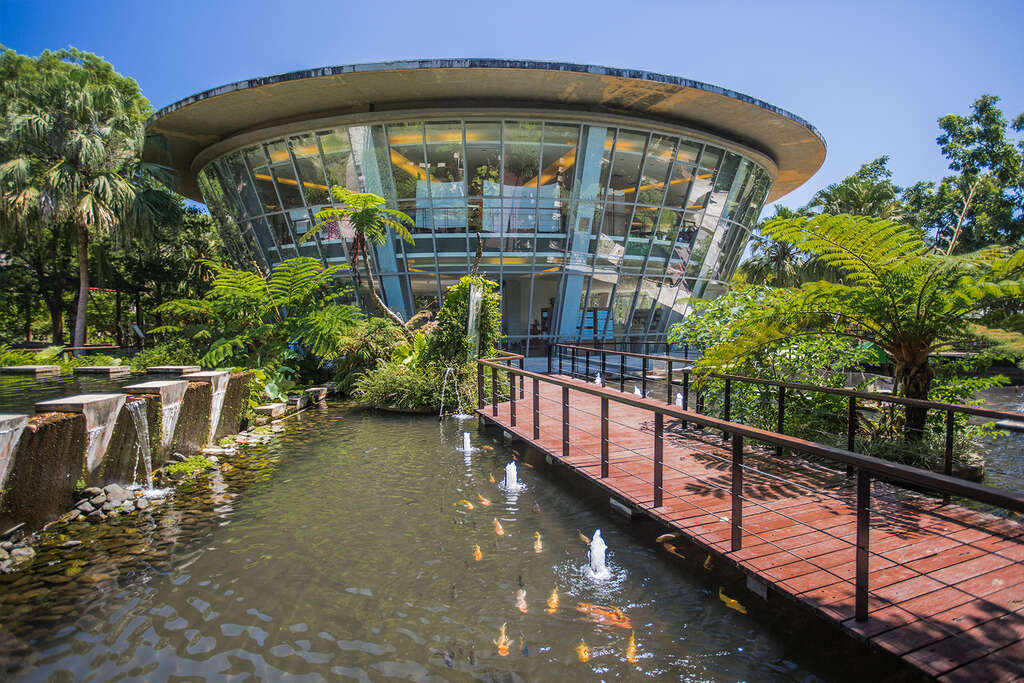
(946, 582)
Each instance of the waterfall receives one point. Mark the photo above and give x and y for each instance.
(219, 384)
(100, 417)
(171, 408)
(11, 427)
(137, 409)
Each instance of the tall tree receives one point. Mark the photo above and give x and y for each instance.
(868, 192)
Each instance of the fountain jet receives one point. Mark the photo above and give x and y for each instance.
(511, 476)
(597, 552)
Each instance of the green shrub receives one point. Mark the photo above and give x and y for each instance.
(190, 467)
(449, 344)
(173, 351)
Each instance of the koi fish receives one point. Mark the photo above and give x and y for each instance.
(731, 603)
(491, 478)
(483, 501)
(465, 503)
(522, 645)
(666, 537)
(497, 527)
(672, 551)
(582, 651)
(526, 464)
(707, 563)
(485, 447)
(521, 600)
(503, 642)
(631, 650)
(586, 541)
(538, 546)
(607, 615)
(553, 601)
(536, 507)
(477, 555)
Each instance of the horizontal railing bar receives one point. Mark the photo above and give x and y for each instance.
(867, 395)
(911, 475)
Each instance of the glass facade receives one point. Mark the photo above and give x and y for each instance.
(594, 232)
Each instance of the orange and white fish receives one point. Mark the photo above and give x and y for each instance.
(582, 651)
(553, 601)
(606, 615)
(503, 642)
(731, 603)
(498, 528)
(521, 600)
(465, 503)
(666, 537)
(477, 555)
(491, 478)
(583, 538)
(538, 545)
(631, 650)
(483, 501)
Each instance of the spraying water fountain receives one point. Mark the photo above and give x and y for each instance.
(596, 554)
(511, 476)
(598, 380)
(679, 400)
(444, 384)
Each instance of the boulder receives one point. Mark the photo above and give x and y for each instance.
(22, 554)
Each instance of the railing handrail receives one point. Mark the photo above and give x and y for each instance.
(882, 468)
(867, 395)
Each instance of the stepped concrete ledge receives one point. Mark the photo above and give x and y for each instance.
(176, 370)
(34, 370)
(205, 375)
(299, 402)
(11, 426)
(317, 394)
(100, 411)
(167, 389)
(272, 409)
(105, 370)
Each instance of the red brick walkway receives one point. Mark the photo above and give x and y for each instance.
(946, 582)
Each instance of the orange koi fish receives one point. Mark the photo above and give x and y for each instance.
(526, 464)
(731, 603)
(553, 601)
(707, 563)
(483, 501)
(606, 615)
(491, 478)
(631, 650)
(503, 642)
(521, 600)
(477, 555)
(538, 546)
(497, 527)
(582, 651)
(586, 541)
(465, 503)
(666, 537)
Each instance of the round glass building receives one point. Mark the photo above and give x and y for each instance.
(604, 199)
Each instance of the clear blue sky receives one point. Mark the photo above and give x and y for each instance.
(872, 76)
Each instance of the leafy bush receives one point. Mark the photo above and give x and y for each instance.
(397, 386)
(176, 350)
(449, 343)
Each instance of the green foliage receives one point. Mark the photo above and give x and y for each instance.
(398, 385)
(175, 350)
(359, 350)
(52, 355)
(450, 344)
(192, 466)
(279, 383)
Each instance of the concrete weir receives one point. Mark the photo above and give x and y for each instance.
(11, 427)
(166, 397)
(173, 370)
(104, 370)
(101, 412)
(33, 370)
(218, 381)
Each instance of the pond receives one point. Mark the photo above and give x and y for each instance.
(19, 394)
(342, 549)
(1004, 455)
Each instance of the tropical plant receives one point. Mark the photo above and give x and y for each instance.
(897, 294)
(259, 319)
(370, 221)
(450, 343)
(868, 192)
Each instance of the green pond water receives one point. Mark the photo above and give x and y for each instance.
(335, 552)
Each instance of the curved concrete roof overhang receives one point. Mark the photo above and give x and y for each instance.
(200, 127)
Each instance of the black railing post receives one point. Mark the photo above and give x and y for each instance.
(668, 382)
(565, 422)
(728, 405)
(659, 454)
(737, 492)
(550, 346)
(560, 352)
(536, 409)
(604, 437)
(494, 391)
(572, 364)
(479, 385)
(586, 375)
(686, 351)
(622, 372)
(851, 429)
(781, 425)
(863, 534)
(512, 399)
(604, 374)
(686, 393)
(522, 378)
(643, 375)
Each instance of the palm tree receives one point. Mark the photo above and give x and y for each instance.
(777, 264)
(74, 141)
(370, 221)
(868, 192)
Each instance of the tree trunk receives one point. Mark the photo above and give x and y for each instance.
(56, 307)
(915, 380)
(29, 300)
(83, 286)
(394, 317)
(118, 336)
(138, 315)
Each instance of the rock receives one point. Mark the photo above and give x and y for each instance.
(213, 459)
(95, 516)
(142, 503)
(6, 545)
(22, 554)
(85, 506)
(4, 555)
(178, 457)
(91, 492)
(116, 493)
(98, 500)
(276, 428)
(109, 506)
(128, 506)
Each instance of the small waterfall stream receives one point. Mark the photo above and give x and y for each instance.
(171, 408)
(100, 418)
(11, 428)
(143, 454)
(219, 384)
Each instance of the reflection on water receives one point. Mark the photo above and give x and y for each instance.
(1004, 456)
(345, 557)
(20, 394)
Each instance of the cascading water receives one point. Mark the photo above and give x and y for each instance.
(637, 392)
(219, 384)
(171, 409)
(679, 400)
(137, 409)
(101, 411)
(597, 553)
(444, 384)
(11, 427)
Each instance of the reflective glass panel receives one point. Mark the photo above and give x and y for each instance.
(625, 174)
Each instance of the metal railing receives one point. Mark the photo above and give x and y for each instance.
(674, 367)
(868, 469)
